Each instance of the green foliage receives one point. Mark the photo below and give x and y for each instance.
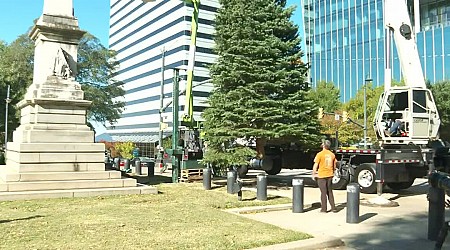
(125, 149)
(222, 158)
(326, 96)
(355, 107)
(16, 70)
(95, 67)
(259, 79)
(441, 93)
(167, 142)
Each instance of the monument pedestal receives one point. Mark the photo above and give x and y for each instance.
(53, 153)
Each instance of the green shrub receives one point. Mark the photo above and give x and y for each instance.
(125, 149)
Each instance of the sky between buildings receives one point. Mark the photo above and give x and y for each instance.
(17, 16)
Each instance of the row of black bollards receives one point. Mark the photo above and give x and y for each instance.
(234, 186)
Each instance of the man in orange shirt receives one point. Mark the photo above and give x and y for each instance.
(323, 170)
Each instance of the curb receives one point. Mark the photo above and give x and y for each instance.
(260, 209)
(308, 244)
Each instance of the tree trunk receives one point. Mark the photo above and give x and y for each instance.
(260, 144)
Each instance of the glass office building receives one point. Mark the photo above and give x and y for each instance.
(147, 36)
(345, 41)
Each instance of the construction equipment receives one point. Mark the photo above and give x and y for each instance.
(412, 105)
(409, 148)
(409, 153)
(186, 145)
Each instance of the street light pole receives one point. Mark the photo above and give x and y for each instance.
(365, 110)
(6, 115)
(161, 104)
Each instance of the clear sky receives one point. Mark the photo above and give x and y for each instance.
(16, 17)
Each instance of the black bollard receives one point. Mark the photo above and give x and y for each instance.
(297, 195)
(150, 168)
(231, 179)
(126, 165)
(137, 167)
(207, 179)
(353, 203)
(261, 187)
(436, 212)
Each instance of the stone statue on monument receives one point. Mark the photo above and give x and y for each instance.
(61, 66)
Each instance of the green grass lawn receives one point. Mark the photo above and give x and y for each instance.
(181, 216)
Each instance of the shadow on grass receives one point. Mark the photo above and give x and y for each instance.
(19, 219)
(148, 180)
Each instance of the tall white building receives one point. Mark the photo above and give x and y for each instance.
(140, 33)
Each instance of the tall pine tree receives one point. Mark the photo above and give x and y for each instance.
(260, 89)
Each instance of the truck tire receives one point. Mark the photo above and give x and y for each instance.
(365, 177)
(341, 178)
(276, 167)
(400, 185)
(242, 171)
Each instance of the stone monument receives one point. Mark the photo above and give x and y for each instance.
(53, 153)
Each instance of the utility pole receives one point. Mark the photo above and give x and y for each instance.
(365, 110)
(161, 106)
(175, 152)
(6, 115)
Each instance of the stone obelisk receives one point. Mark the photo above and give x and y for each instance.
(53, 153)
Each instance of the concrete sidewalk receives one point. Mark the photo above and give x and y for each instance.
(401, 227)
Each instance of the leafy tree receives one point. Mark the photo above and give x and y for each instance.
(326, 96)
(355, 109)
(124, 149)
(16, 70)
(95, 65)
(441, 93)
(260, 89)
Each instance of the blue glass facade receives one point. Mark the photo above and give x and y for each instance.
(345, 41)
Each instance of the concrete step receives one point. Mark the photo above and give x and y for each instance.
(53, 167)
(60, 193)
(59, 176)
(65, 185)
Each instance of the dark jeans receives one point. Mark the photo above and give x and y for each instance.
(395, 128)
(325, 190)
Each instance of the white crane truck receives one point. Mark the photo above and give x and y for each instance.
(412, 148)
(403, 156)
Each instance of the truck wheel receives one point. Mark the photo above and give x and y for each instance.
(365, 177)
(400, 185)
(242, 171)
(276, 167)
(340, 179)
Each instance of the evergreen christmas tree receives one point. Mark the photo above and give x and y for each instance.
(260, 88)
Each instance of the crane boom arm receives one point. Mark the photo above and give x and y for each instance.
(398, 23)
(188, 116)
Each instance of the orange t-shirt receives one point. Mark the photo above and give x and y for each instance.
(326, 161)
